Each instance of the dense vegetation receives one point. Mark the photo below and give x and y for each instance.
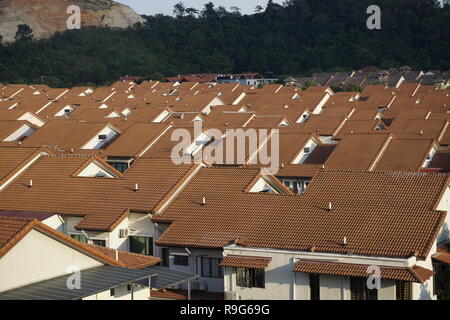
(300, 37)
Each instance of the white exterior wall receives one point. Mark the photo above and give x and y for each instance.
(303, 118)
(425, 291)
(279, 280)
(63, 112)
(121, 293)
(111, 239)
(282, 283)
(162, 116)
(71, 222)
(140, 223)
(318, 109)
(239, 99)
(54, 222)
(444, 205)
(96, 143)
(214, 102)
(24, 131)
(38, 257)
(142, 226)
(213, 284)
(92, 170)
(334, 287)
(32, 119)
(302, 156)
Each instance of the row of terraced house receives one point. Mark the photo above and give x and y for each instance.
(93, 205)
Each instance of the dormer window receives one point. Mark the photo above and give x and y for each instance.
(305, 152)
(126, 112)
(429, 158)
(96, 169)
(102, 137)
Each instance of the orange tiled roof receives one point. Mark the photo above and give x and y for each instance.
(103, 202)
(245, 262)
(366, 206)
(129, 259)
(442, 254)
(413, 274)
(12, 230)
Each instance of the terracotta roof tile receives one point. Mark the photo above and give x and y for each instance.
(414, 274)
(357, 151)
(245, 262)
(366, 209)
(101, 201)
(404, 155)
(11, 158)
(13, 229)
(129, 259)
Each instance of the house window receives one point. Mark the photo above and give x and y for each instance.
(141, 245)
(314, 286)
(435, 278)
(250, 278)
(79, 237)
(112, 292)
(165, 257)
(102, 137)
(120, 166)
(181, 260)
(211, 268)
(100, 243)
(293, 185)
(360, 291)
(128, 287)
(403, 290)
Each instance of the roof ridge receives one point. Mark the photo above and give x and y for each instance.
(410, 173)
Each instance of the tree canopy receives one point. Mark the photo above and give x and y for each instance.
(296, 38)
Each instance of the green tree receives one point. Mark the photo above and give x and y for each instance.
(157, 76)
(179, 10)
(24, 32)
(258, 9)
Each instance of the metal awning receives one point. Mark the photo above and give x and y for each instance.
(166, 278)
(98, 279)
(93, 281)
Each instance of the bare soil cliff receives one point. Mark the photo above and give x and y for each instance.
(46, 17)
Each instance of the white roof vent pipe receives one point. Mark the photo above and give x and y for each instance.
(330, 206)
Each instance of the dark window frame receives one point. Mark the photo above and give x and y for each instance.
(148, 247)
(403, 290)
(214, 270)
(99, 242)
(314, 286)
(360, 291)
(251, 278)
(165, 257)
(180, 260)
(78, 237)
